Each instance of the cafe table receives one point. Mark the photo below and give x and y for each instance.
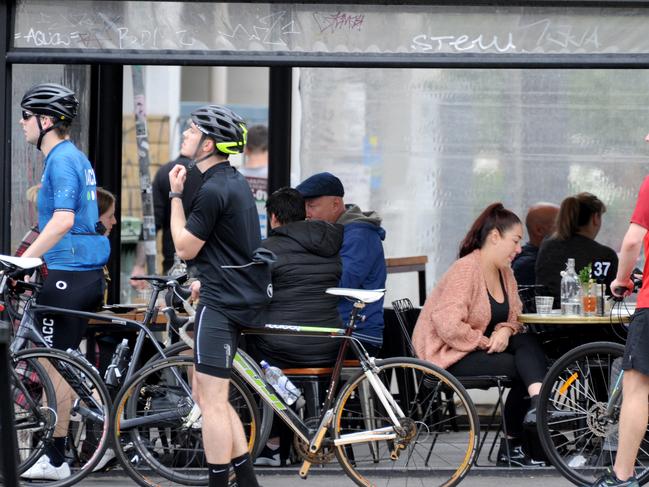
(129, 312)
(618, 314)
(136, 313)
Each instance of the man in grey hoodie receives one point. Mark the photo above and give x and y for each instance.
(362, 251)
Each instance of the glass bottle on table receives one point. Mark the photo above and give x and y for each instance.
(570, 302)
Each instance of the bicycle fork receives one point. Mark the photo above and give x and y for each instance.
(614, 399)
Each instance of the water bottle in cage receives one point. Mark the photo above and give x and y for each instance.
(118, 364)
(282, 385)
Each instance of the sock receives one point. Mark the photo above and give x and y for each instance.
(56, 451)
(218, 474)
(245, 472)
(534, 401)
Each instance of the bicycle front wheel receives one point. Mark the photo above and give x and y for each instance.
(157, 430)
(34, 403)
(83, 410)
(436, 441)
(265, 411)
(578, 437)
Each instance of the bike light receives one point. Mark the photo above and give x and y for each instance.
(2, 307)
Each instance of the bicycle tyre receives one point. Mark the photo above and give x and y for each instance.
(34, 402)
(425, 393)
(266, 413)
(89, 418)
(575, 437)
(159, 452)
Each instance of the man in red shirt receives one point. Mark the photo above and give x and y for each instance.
(635, 384)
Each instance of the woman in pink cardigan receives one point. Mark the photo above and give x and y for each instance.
(468, 323)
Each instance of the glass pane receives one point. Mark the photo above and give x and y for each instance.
(26, 160)
(429, 149)
(327, 28)
(171, 94)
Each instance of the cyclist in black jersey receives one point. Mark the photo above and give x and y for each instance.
(220, 234)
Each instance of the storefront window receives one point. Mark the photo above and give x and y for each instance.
(26, 160)
(429, 149)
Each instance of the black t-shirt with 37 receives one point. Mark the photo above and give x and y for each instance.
(554, 254)
(224, 215)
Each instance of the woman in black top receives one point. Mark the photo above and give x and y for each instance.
(578, 223)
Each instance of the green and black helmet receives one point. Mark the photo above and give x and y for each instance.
(226, 128)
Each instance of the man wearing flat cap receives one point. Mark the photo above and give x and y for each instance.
(361, 252)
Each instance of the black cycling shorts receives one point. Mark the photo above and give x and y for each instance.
(78, 290)
(636, 352)
(216, 342)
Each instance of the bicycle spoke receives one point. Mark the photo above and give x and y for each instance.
(434, 441)
(576, 427)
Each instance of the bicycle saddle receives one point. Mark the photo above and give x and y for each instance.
(21, 262)
(161, 280)
(364, 295)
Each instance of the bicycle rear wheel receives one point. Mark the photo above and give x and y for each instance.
(576, 436)
(158, 442)
(34, 403)
(437, 441)
(88, 411)
(265, 411)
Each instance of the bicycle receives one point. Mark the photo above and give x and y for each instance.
(578, 415)
(92, 404)
(377, 437)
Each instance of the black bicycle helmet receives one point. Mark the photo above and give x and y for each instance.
(223, 125)
(51, 99)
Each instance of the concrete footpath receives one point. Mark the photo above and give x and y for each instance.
(477, 478)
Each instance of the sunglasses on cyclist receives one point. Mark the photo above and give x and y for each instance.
(27, 115)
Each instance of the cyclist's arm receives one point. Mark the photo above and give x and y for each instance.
(60, 224)
(187, 244)
(631, 247)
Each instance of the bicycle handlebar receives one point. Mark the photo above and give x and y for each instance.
(618, 293)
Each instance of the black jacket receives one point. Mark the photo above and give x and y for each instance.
(162, 204)
(308, 262)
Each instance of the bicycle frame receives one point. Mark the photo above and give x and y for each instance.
(247, 370)
(28, 330)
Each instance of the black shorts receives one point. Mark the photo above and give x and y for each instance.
(636, 352)
(78, 290)
(216, 342)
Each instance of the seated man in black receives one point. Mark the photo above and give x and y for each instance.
(308, 262)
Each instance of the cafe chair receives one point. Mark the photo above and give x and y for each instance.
(406, 316)
(527, 293)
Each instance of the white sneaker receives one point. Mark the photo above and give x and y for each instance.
(44, 470)
(268, 458)
(109, 454)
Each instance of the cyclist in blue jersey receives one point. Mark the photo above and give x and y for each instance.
(73, 250)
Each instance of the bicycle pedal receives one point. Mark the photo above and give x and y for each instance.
(304, 469)
(394, 454)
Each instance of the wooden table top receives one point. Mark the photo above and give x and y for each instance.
(618, 315)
